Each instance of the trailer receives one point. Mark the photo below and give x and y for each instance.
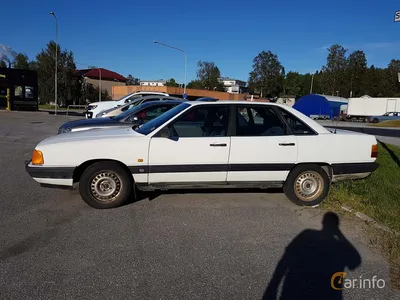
(359, 109)
(321, 107)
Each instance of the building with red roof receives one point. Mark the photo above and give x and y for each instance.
(102, 77)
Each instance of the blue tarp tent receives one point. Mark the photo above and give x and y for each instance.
(320, 106)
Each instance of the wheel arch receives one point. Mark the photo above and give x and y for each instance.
(82, 167)
(325, 166)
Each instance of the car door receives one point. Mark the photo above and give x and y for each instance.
(261, 149)
(196, 150)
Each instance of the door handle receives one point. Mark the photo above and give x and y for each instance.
(287, 144)
(217, 145)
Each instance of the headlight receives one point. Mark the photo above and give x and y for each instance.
(91, 107)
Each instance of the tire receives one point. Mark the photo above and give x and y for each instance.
(375, 121)
(295, 187)
(106, 185)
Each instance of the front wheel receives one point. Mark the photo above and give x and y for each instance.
(307, 185)
(105, 185)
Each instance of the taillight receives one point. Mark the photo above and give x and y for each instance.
(374, 150)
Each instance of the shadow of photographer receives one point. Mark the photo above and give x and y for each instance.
(310, 262)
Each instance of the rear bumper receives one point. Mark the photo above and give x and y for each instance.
(352, 171)
(354, 168)
(61, 177)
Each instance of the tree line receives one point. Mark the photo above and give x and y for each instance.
(344, 74)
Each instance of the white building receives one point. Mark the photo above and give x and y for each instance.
(153, 82)
(232, 85)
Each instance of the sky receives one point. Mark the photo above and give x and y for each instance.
(119, 35)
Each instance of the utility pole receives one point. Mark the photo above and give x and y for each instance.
(55, 75)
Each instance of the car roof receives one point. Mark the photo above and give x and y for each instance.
(156, 96)
(231, 102)
(163, 102)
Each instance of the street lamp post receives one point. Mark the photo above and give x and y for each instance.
(55, 75)
(184, 88)
(99, 84)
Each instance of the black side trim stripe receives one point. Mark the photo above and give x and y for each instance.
(354, 168)
(209, 168)
(261, 167)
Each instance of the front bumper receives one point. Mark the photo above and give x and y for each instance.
(88, 114)
(57, 177)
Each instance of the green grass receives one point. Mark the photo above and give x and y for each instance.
(378, 196)
(49, 106)
(391, 123)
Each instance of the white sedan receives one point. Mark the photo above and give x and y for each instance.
(204, 145)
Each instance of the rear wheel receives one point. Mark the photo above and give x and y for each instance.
(105, 185)
(307, 185)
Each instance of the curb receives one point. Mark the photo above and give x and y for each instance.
(367, 219)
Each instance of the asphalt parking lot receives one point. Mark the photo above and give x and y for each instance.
(180, 245)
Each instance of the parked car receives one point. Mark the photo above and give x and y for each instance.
(385, 117)
(115, 111)
(206, 144)
(207, 99)
(137, 115)
(94, 108)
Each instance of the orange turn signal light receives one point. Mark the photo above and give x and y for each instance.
(374, 150)
(37, 157)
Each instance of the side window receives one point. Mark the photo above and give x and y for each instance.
(149, 114)
(262, 121)
(202, 121)
(298, 127)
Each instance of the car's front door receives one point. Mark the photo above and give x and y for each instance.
(196, 150)
(261, 149)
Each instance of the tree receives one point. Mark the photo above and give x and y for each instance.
(21, 61)
(132, 80)
(172, 82)
(294, 83)
(92, 67)
(357, 66)
(208, 75)
(69, 88)
(267, 75)
(336, 66)
(195, 84)
(3, 64)
(391, 77)
(91, 94)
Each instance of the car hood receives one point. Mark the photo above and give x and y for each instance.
(91, 135)
(89, 122)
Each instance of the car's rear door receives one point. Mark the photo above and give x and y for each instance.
(197, 150)
(261, 148)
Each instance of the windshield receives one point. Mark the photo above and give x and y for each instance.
(165, 117)
(133, 109)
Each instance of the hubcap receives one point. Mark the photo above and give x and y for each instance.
(106, 186)
(308, 186)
